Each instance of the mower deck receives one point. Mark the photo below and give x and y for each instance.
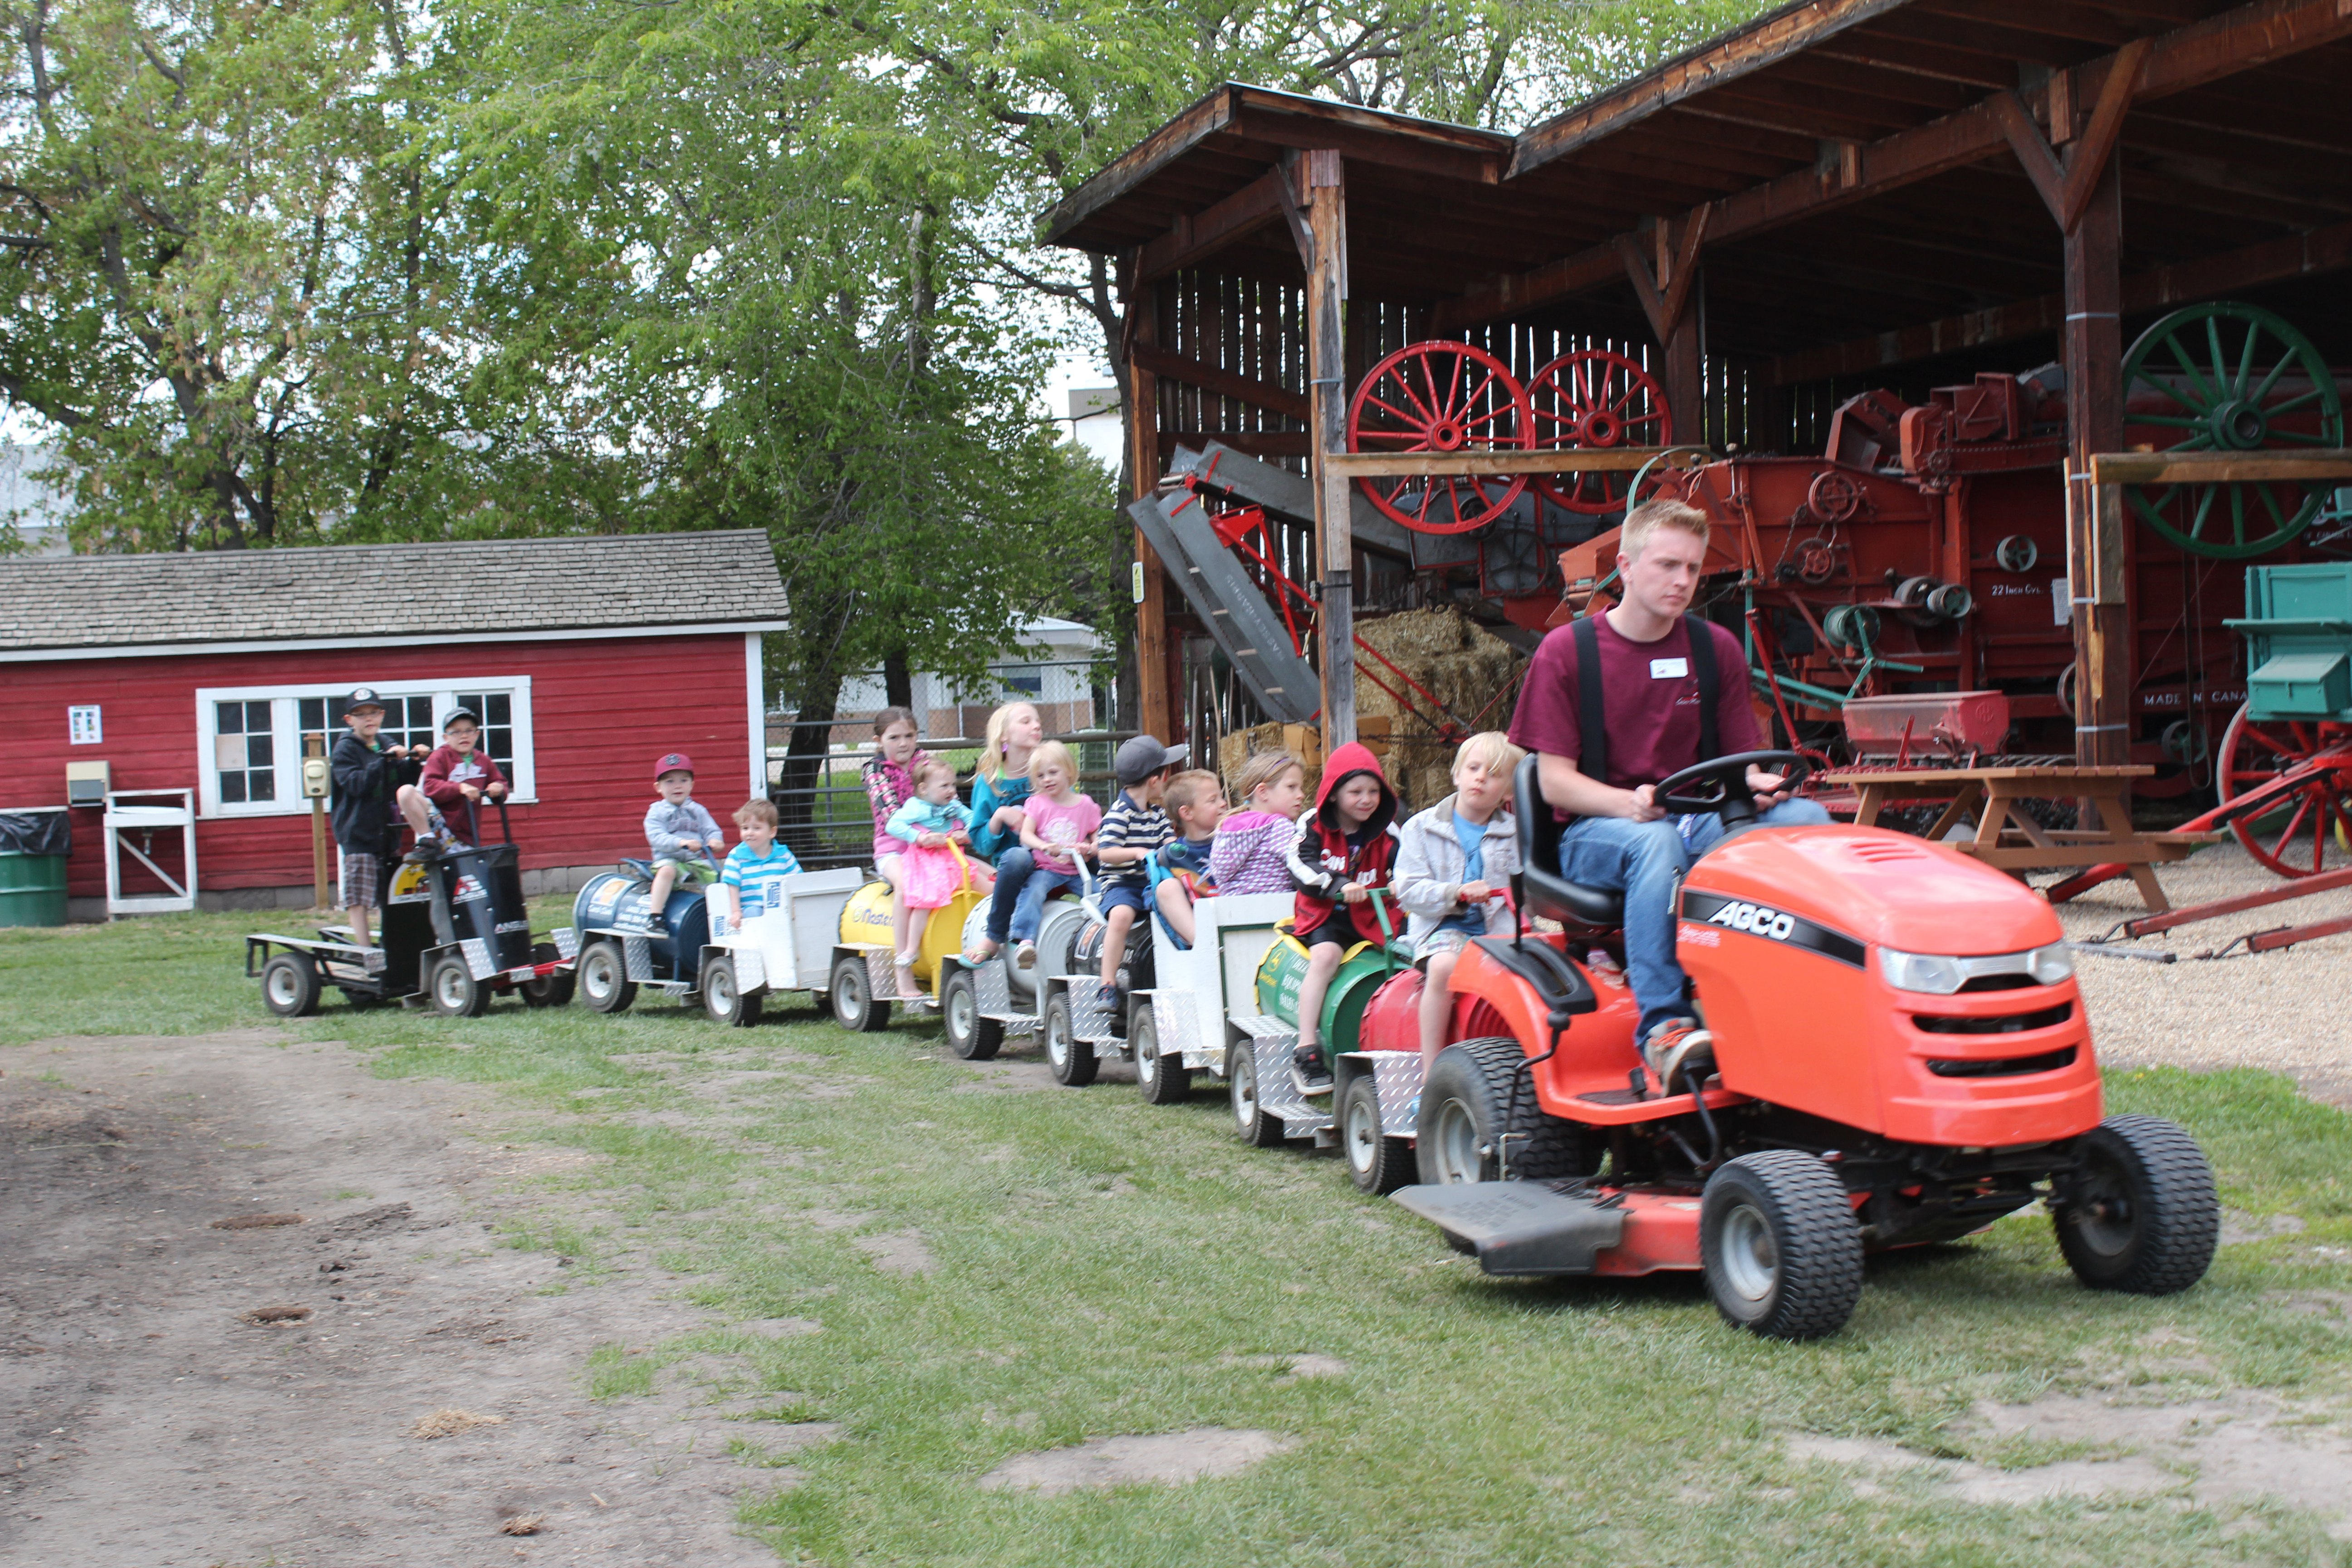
(1517, 1228)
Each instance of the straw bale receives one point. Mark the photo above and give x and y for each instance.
(1469, 670)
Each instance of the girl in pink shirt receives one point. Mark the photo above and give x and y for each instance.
(1060, 829)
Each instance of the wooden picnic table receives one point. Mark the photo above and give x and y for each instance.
(2008, 837)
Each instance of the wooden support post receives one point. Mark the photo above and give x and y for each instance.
(2093, 349)
(1154, 686)
(1669, 293)
(1324, 197)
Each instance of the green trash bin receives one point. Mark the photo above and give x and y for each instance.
(34, 847)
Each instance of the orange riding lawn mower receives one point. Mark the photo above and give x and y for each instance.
(1900, 1057)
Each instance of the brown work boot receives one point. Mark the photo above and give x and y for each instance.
(1679, 1048)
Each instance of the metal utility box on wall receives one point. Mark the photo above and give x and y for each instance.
(2298, 629)
(87, 784)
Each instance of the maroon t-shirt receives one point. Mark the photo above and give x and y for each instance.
(1651, 700)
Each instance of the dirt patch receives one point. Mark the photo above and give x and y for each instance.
(1300, 1366)
(1169, 1458)
(1970, 1482)
(2237, 1227)
(148, 1424)
(450, 1423)
(274, 1317)
(901, 1252)
(255, 1221)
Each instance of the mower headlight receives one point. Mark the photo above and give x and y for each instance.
(1921, 972)
(2051, 964)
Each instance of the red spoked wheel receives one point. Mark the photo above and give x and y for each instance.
(1441, 396)
(2292, 838)
(1595, 399)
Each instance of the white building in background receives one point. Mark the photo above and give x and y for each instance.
(1094, 422)
(1054, 665)
(37, 511)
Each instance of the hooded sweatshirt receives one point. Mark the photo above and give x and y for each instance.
(1322, 859)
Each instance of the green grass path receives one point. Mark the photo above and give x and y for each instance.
(1105, 1268)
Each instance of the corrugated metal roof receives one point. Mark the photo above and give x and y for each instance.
(364, 591)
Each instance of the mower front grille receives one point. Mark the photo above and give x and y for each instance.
(2014, 980)
(2004, 1024)
(2004, 1067)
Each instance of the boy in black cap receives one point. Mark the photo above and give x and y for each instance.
(1132, 831)
(368, 776)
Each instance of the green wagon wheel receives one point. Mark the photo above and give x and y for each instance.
(2229, 377)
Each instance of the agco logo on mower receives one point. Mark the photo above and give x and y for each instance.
(1757, 919)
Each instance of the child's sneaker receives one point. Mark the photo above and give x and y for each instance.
(428, 847)
(1024, 955)
(1308, 1074)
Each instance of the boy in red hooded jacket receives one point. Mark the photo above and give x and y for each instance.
(1345, 846)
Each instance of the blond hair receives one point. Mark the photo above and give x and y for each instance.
(756, 809)
(1491, 748)
(1263, 769)
(930, 765)
(1187, 790)
(1653, 515)
(1055, 752)
(991, 754)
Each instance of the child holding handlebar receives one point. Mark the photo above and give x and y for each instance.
(1342, 850)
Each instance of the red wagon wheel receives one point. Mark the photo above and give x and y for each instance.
(1593, 398)
(1441, 397)
(2292, 838)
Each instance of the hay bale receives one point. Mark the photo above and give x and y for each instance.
(1469, 670)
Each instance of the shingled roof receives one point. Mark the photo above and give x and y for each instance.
(364, 591)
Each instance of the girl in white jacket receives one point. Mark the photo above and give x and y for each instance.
(1454, 860)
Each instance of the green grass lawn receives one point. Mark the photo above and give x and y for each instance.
(1105, 1268)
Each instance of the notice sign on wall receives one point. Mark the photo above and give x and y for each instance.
(81, 724)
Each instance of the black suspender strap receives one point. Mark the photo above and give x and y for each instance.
(1592, 718)
(1710, 683)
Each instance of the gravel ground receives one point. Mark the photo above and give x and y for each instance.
(2284, 1012)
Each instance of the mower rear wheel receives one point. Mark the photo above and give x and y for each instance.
(290, 986)
(974, 1037)
(2139, 1215)
(604, 982)
(1258, 1129)
(1777, 1239)
(1163, 1079)
(724, 1000)
(854, 1007)
(1072, 1060)
(552, 989)
(1377, 1163)
(454, 992)
(1458, 1132)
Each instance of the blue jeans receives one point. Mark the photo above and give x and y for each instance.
(1030, 913)
(1011, 872)
(1646, 861)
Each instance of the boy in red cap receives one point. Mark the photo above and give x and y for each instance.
(1344, 848)
(678, 832)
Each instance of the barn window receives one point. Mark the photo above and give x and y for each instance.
(253, 740)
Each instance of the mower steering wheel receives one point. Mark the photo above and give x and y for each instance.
(1730, 797)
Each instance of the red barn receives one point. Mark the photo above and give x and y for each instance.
(587, 658)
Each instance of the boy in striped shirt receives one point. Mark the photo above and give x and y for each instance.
(1132, 831)
(755, 863)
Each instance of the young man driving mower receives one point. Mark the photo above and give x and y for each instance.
(1614, 703)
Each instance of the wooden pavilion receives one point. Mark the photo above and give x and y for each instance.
(1841, 194)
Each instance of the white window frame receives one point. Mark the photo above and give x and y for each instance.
(285, 729)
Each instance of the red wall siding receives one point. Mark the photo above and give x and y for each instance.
(601, 712)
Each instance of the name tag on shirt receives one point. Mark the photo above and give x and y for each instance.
(1669, 668)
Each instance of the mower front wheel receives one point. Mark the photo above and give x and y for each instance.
(1779, 1242)
(454, 991)
(552, 989)
(1259, 1127)
(723, 999)
(290, 986)
(1378, 1164)
(974, 1037)
(854, 1007)
(1458, 1134)
(1163, 1079)
(604, 982)
(1072, 1060)
(2139, 1215)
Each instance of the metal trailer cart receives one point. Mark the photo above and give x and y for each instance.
(787, 947)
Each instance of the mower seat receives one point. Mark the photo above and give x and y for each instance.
(1541, 889)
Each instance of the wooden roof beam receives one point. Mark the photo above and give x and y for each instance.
(1193, 237)
(2176, 61)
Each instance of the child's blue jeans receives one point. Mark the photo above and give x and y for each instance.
(1030, 913)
